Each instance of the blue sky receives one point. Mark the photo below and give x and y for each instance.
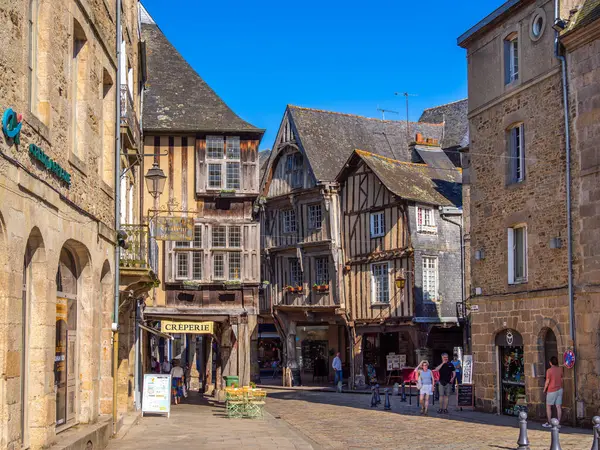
(345, 56)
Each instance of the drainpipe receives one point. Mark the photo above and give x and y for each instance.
(563, 63)
(115, 325)
(137, 358)
(444, 213)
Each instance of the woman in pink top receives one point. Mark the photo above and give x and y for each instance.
(554, 390)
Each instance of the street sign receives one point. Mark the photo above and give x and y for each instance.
(156, 397)
(569, 359)
(174, 229)
(474, 308)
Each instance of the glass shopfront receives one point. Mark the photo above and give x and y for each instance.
(513, 397)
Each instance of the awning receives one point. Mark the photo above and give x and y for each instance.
(156, 332)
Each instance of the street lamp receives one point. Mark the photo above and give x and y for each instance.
(155, 180)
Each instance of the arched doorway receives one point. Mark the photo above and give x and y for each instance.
(66, 363)
(509, 344)
(550, 347)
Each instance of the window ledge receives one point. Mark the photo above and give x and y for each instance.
(40, 127)
(77, 163)
(379, 304)
(517, 283)
(374, 236)
(107, 189)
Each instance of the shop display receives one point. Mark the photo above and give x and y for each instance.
(512, 375)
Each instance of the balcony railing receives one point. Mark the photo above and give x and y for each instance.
(136, 256)
(128, 117)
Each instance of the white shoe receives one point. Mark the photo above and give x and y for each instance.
(547, 425)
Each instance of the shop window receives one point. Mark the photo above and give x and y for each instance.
(512, 372)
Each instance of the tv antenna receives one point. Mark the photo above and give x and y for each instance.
(383, 111)
(406, 95)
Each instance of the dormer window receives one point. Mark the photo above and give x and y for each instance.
(511, 58)
(223, 162)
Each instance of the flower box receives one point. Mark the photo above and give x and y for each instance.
(321, 288)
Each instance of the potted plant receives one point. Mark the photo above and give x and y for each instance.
(321, 287)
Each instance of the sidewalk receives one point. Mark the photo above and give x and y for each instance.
(202, 424)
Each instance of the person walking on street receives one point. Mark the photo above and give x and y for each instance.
(447, 374)
(337, 366)
(166, 366)
(177, 382)
(424, 384)
(554, 390)
(457, 370)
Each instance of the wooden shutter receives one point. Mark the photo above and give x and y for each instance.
(249, 166)
(201, 166)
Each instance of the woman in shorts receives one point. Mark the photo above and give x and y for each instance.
(424, 384)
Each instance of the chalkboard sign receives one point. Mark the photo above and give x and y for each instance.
(464, 395)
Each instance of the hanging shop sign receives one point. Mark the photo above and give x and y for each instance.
(51, 165)
(11, 125)
(174, 229)
(569, 359)
(167, 326)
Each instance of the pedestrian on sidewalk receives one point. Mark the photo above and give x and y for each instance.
(447, 374)
(166, 366)
(337, 366)
(177, 382)
(424, 384)
(457, 369)
(554, 390)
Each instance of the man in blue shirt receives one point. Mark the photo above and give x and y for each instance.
(337, 366)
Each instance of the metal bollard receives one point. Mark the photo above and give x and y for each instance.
(555, 443)
(523, 441)
(377, 396)
(373, 398)
(387, 405)
(403, 399)
(596, 422)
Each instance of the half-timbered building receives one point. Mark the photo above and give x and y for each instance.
(301, 234)
(402, 258)
(210, 157)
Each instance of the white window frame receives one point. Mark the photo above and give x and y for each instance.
(322, 270)
(312, 216)
(178, 256)
(426, 220)
(229, 266)
(224, 152)
(430, 278)
(214, 266)
(516, 150)
(289, 223)
(512, 255)
(190, 250)
(230, 230)
(386, 267)
(511, 58)
(222, 228)
(378, 224)
(296, 276)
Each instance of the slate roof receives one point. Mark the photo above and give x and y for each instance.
(263, 160)
(456, 123)
(177, 98)
(329, 138)
(416, 182)
(589, 12)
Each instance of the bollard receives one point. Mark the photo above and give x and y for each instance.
(373, 398)
(596, 422)
(555, 443)
(339, 387)
(377, 396)
(396, 389)
(523, 441)
(403, 399)
(387, 405)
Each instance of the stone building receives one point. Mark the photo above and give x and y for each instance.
(301, 218)
(519, 240)
(212, 274)
(57, 222)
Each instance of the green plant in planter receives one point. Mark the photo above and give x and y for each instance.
(253, 385)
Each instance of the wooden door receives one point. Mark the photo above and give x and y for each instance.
(71, 376)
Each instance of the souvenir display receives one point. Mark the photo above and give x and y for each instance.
(512, 369)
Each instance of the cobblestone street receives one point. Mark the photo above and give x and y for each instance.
(306, 420)
(346, 421)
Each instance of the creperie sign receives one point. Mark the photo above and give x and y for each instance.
(167, 326)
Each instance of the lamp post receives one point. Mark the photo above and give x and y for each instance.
(155, 180)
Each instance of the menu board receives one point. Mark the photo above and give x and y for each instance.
(395, 362)
(156, 397)
(464, 395)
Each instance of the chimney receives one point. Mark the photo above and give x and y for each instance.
(419, 137)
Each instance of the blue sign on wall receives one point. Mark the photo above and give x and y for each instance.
(11, 125)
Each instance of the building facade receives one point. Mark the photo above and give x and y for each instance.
(210, 157)
(57, 220)
(302, 220)
(518, 220)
